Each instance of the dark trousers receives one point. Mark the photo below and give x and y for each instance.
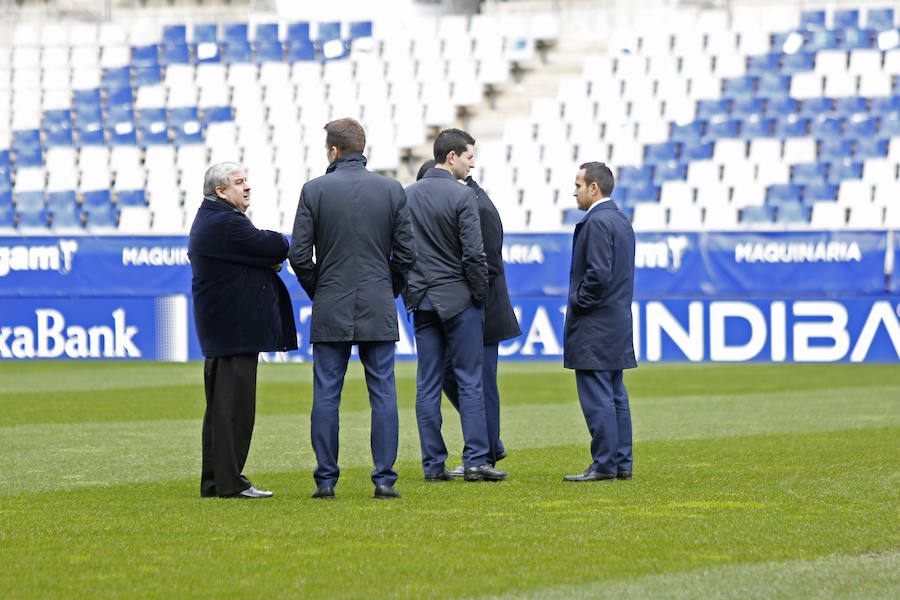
(230, 383)
(491, 399)
(458, 340)
(604, 402)
(329, 367)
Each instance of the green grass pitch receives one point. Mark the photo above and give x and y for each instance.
(751, 481)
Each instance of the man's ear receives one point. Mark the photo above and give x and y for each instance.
(219, 194)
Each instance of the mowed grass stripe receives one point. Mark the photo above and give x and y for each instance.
(60, 392)
(695, 504)
(42, 457)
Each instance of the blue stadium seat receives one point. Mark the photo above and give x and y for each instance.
(60, 136)
(119, 98)
(820, 40)
(846, 18)
(861, 127)
(880, 19)
(849, 105)
(697, 150)
(154, 126)
(329, 31)
(101, 217)
(713, 109)
(571, 216)
(153, 136)
(826, 127)
(806, 173)
(619, 194)
(755, 127)
(687, 132)
(6, 197)
(722, 129)
(869, 147)
(26, 144)
(58, 128)
(784, 193)
(266, 32)
(147, 75)
(360, 29)
(122, 133)
(234, 33)
(752, 215)
(889, 125)
(298, 32)
(884, 104)
(851, 39)
(763, 63)
(63, 209)
(819, 192)
(8, 215)
(778, 107)
(86, 98)
(269, 52)
(188, 134)
(174, 34)
(834, 150)
(661, 152)
(95, 199)
(205, 33)
(739, 87)
(145, 56)
(176, 54)
(743, 108)
(238, 52)
(787, 214)
(90, 134)
(301, 51)
(798, 62)
(116, 78)
(812, 19)
(131, 198)
(781, 39)
(216, 114)
(813, 107)
(846, 169)
(635, 176)
(642, 193)
(30, 202)
(773, 85)
(183, 114)
(669, 171)
(34, 219)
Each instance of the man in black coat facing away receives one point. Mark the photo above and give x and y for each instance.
(241, 308)
(598, 336)
(447, 290)
(358, 224)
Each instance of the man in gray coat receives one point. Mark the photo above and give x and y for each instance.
(358, 224)
(598, 336)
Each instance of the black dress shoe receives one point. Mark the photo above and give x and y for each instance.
(623, 475)
(444, 475)
(590, 475)
(252, 492)
(386, 491)
(484, 473)
(323, 491)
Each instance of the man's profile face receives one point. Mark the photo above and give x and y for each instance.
(582, 192)
(464, 162)
(237, 193)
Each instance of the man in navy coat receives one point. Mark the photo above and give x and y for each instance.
(241, 308)
(598, 337)
(448, 287)
(358, 224)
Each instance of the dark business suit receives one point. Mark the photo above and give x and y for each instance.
(500, 321)
(241, 308)
(448, 287)
(598, 341)
(358, 224)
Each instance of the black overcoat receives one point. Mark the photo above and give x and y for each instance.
(500, 321)
(450, 265)
(357, 223)
(598, 331)
(240, 303)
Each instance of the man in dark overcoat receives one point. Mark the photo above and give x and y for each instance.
(241, 308)
(598, 336)
(447, 290)
(351, 249)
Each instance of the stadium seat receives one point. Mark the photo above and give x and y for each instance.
(792, 126)
(773, 85)
(757, 215)
(649, 216)
(150, 75)
(806, 173)
(855, 38)
(739, 87)
(174, 34)
(869, 147)
(743, 108)
(713, 109)
(635, 176)
(781, 107)
(175, 54)
(238, 52)
(63, 210)
(797, 63)
(101, 218)
(669, 171)
(820, 40)
(131, 198)
(826, 127)
(688, 132)
(756, 127)
(828, 215)
(661, 152)
(860, 126)
(819, 192)
(784, 193)
(835, 150)
(269, 52)
(791, 214)
(846, 169)
(865, 216)
(697, 150)
(95, 199)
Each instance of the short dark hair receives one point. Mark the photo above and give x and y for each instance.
(346, 135)
(599, 173)
(428, 164)
(450, 140)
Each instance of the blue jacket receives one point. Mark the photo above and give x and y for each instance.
(358, 224)
(598, 331)
(240, 303)
(450, 263)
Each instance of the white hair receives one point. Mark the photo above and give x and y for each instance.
(218, 175)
